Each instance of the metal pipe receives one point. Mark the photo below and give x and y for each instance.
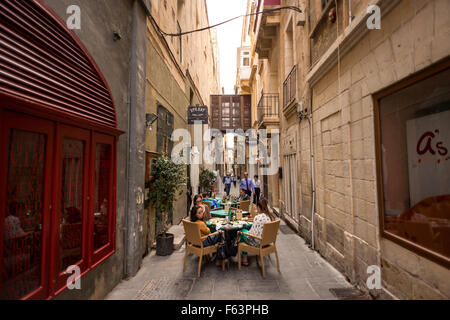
(131, 214)
(313, 186)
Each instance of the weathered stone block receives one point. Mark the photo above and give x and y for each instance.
(423, 30)
(335, 236)
(365, 231)
(396, 280)
(336, 136)
(422, 291)
(367, 107)
(357, 73)
(356, 129)
(357, 148)
(356, 111)
(365, 252)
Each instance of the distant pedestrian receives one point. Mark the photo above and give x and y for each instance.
(257, 183)
(247, 184)
(227, 182)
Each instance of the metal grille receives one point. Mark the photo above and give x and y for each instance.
(268, 106)
(41, 62)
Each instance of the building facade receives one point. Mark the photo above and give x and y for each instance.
(181, 72)
(65, 120)
(364, 134)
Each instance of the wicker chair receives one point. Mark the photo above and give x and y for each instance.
(244, 205)
(266, 247)
(194, 244)
(253, 212)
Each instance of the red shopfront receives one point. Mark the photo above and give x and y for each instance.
(58, 136)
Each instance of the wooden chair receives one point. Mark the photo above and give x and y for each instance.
(266, 247)
(194, 244)
(244, 205)
(253, 212)
(208, 204)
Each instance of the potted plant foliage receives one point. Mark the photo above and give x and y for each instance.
(167, 183)
(206, 180)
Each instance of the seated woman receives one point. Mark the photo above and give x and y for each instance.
(197, 214)
(198, 201)
(264, 215)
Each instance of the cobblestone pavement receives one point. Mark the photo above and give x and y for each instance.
(304, 276)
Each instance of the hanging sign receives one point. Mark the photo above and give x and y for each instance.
(198, 113)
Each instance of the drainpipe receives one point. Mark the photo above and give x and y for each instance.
(131, 214)
(313, 185)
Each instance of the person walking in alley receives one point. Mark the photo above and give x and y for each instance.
(257, 189)
(248, 185)
(227, 181)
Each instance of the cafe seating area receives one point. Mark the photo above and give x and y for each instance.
(233, 220)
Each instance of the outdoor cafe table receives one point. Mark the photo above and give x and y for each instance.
(243, 225)
(230, 203)
(222, 213)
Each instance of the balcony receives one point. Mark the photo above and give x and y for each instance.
(266, 27)
(268, 109)
(290, 88)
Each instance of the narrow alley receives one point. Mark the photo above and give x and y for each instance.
(304, 276)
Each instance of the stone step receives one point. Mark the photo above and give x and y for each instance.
(179, 236)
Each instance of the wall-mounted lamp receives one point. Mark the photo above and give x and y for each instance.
(150, 118)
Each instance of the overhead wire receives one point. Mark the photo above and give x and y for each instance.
(162, 32)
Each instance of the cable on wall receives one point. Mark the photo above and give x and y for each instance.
(162, 32)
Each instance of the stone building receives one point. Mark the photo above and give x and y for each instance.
(76, 101)
(68, 99)
(370, 187)
(181, 72)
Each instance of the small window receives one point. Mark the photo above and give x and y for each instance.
(246, 62)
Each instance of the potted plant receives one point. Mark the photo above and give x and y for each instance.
(167, 183)
(206, 180)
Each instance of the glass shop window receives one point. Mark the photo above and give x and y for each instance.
(415, 162)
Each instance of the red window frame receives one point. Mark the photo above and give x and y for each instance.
(64, 131)
(97, 256)
(12, 120)
(53, 282)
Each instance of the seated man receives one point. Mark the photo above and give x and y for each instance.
(243, 196)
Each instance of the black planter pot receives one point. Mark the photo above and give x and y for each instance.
(164, 245)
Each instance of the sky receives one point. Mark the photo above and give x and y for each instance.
(229, 37)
